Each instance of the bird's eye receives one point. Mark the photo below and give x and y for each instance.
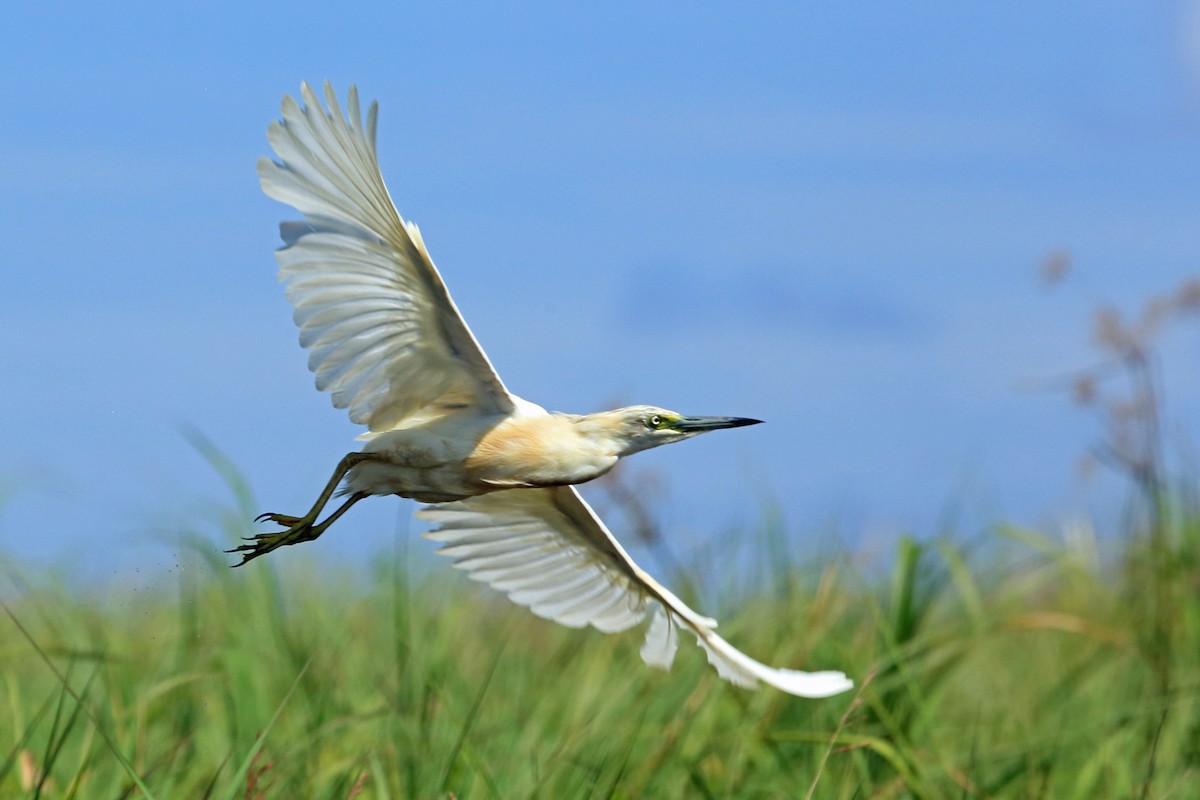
(654, 421)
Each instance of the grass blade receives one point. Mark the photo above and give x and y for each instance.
(112, 746)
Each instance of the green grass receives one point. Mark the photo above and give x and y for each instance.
(1027, 673)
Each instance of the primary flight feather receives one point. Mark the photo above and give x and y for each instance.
(387, 342)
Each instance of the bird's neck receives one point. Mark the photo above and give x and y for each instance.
(594, 432)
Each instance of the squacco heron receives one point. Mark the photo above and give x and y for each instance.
(497, 472)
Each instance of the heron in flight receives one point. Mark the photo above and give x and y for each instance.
(498, 473)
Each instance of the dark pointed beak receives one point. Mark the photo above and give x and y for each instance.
(701, 424)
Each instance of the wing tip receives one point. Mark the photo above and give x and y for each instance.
(740, 669)
(814, 685)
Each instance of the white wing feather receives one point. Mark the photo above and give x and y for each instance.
(547, 550)
(383, 334)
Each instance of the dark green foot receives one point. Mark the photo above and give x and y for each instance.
(300, 530)
(303, 529)
(285, 520)
(297, 529)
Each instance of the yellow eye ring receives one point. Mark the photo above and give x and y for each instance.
(654, 421)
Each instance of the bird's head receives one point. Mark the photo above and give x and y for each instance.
(638, 428)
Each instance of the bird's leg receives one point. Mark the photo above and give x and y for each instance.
(300, 532)
(304, 529)
(345, 465)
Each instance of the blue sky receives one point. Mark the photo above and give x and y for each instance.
(829, 217)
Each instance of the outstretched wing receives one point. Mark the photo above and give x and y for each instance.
(383, 335)
(548, 550)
